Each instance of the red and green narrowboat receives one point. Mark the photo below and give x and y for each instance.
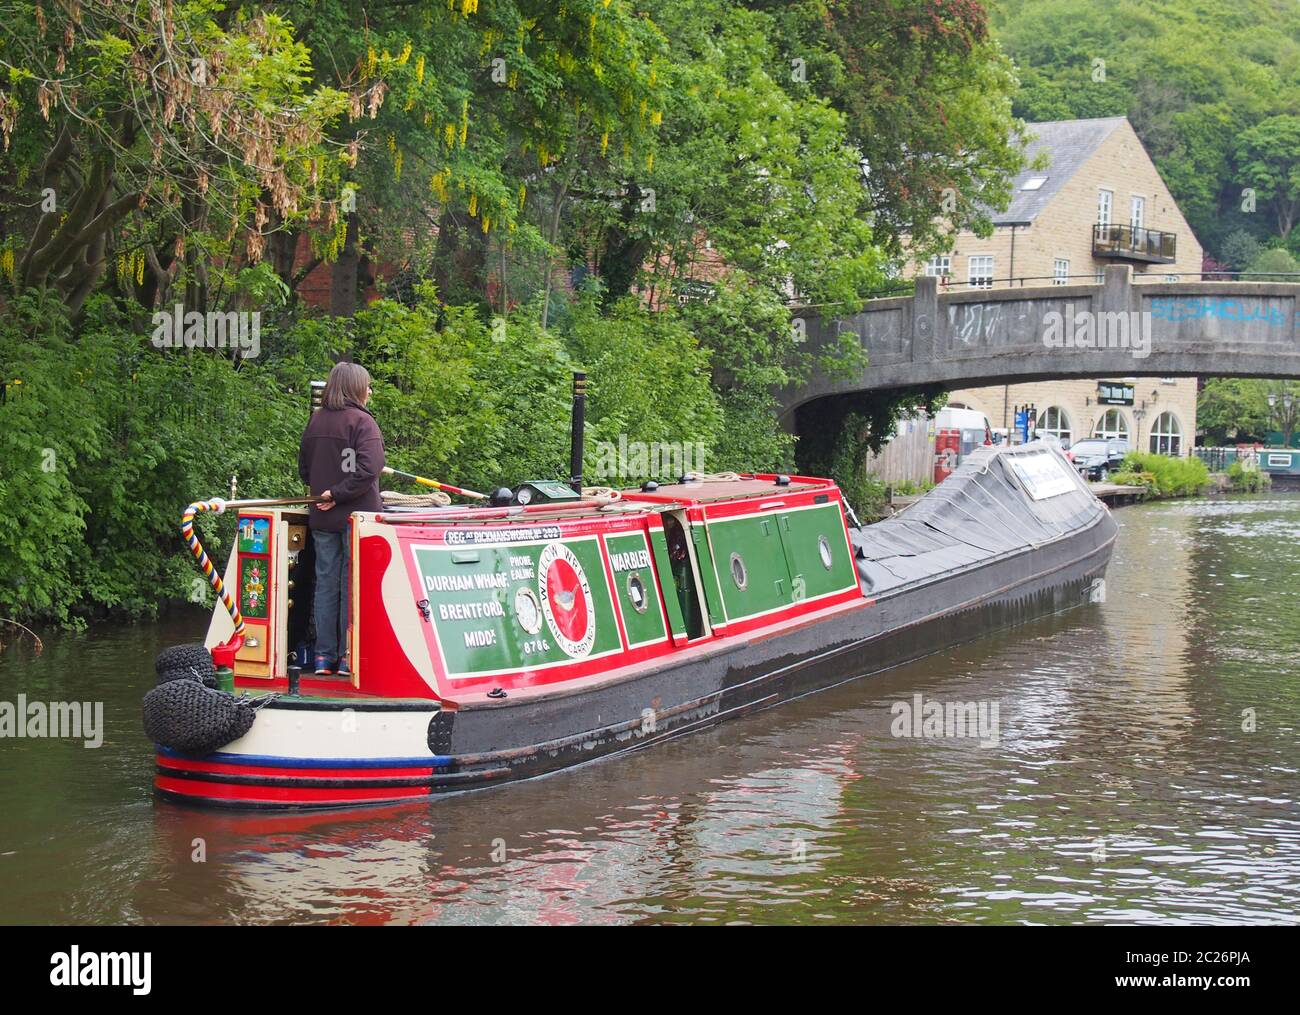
(490, 644)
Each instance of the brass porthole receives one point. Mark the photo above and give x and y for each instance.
(824, 548)
(738, 573)
(636, 592)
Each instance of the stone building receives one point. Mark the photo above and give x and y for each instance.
(1098, 200)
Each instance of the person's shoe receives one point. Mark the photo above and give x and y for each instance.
(323, 667)
(344, 670)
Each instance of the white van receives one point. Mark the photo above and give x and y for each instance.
(973, 425)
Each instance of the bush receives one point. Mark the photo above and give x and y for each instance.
(1173, 477)
(108, 437)
(1246, 480)
(1146, 480)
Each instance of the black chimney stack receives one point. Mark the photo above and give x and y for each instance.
(576, 428)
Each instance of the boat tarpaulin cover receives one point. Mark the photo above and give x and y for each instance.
(1000, 500)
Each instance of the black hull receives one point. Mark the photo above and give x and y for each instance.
(508, 741)
(978, 555)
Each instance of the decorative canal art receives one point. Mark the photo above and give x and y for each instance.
(502, 607)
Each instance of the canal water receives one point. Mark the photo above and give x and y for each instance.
(1146, 770)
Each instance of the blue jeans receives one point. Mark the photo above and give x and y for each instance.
(333, 557)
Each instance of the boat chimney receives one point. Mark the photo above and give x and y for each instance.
(575, 430)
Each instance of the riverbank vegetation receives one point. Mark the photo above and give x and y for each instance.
(1244, 480)
(1162, 475)
(473, 199)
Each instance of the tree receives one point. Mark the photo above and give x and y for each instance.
(1269, 157)
(1275, 265)
(159, 135)
(927, 98)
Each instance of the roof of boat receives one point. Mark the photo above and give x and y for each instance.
(671, 496)
(710, 491)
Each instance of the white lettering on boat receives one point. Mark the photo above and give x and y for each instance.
(470, 611)
(629, 561)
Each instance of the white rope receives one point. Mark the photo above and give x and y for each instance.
(435, 498)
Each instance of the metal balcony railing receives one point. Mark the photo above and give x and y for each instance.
(1134, 243)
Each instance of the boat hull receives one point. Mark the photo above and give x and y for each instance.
(300, 754)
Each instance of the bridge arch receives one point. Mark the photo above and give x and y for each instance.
(934, 342)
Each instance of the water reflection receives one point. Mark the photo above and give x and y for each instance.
(1123, 787)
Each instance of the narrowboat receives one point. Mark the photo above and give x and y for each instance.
(556, 627)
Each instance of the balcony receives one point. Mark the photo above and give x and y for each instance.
(1133, 243)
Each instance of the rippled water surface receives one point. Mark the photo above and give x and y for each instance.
(1123, 786)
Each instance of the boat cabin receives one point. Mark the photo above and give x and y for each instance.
(461, 603)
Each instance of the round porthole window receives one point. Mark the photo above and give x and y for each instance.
(738, 573)
(636, 592)
(527, 611)
(824, 548)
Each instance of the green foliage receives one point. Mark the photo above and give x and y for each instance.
(1210, 86)
(1146, 480)
(1275, 265)
(1246, 480)
(105, 437)
(1232, 409)
(1173, 477)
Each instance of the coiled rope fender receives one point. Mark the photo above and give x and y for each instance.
(217, 506)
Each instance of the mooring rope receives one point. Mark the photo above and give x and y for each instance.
(393, 498)
(201, 555)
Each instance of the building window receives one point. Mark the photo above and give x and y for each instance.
(1112, 424)
(979, 271)
(1105, 201)
(1166, 435)
(1137, 211)
(939, 266)
(1060, 271)
(1056, 422)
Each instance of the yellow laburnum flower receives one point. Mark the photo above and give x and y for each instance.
(473, 204)
(419, 69)
(406, 53)
(523, 194)
(449, 134)
(139, 269)
(604, 142)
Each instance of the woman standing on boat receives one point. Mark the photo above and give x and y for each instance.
(340, 459)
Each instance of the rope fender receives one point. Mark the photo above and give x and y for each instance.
(218, 506)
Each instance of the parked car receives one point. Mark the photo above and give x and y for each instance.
(1097, 457)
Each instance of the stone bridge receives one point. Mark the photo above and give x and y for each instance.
(1116, 328)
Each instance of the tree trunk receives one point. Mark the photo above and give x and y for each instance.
(343, 277)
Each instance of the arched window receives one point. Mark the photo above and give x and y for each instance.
(1112, 424)
(1055, 421)
(1166, 435)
